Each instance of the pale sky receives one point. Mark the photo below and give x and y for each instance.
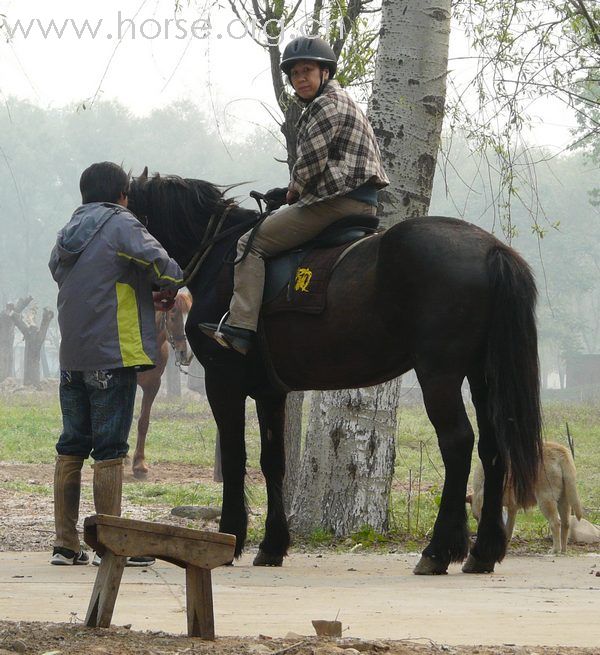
(218, 67)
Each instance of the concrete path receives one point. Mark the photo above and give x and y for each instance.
(534, 600)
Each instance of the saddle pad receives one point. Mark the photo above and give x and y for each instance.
(306, 288)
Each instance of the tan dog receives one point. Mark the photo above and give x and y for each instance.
(555, 492)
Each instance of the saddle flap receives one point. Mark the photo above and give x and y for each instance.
(303, 278)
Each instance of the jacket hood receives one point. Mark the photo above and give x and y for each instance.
(86, 222)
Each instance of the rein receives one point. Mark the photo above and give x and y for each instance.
(212, 236)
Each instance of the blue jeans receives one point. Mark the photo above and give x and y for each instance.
(97, 411)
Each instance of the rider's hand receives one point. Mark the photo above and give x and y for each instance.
(292, 197)
(164, 300)
(276, 196)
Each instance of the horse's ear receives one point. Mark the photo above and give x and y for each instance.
(144, 175)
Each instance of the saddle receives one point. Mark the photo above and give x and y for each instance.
(297, 280)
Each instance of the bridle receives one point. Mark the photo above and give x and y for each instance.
(174, 338)
(212, 235)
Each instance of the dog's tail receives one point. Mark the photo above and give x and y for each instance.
(570, 487)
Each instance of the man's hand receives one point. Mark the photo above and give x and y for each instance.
(164, 300)
(292, 197)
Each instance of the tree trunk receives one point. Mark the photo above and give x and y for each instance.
(293, 443)
(348, 461)
(173, 376)
(34, 339)
(347, 465)
(196, 377)
(407, 105)
(7, 345)
(7, 337)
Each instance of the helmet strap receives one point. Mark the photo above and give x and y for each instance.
(323, 84)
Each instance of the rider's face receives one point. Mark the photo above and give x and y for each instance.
(305, 77)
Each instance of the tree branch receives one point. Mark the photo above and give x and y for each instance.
(582, 9)
(20, 323)
(257, 12)
(47, 317)
(22, 303)
(293, 13)
(316, 18)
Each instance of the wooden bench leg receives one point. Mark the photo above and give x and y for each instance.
(200, 617)
(106, 588)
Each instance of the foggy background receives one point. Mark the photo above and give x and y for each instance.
(197, 107)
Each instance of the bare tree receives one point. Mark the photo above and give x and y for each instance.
(34, 337)
(7, 337)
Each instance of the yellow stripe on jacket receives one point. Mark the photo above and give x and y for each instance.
(128, 325)
(143, 262)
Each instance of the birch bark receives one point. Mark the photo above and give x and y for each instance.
(348, 463)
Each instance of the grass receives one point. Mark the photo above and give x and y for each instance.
(180, 431)
(183, 432)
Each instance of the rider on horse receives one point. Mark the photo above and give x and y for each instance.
(338, 172)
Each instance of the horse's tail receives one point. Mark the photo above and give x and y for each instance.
(512, 369)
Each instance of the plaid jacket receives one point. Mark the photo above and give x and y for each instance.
(337, 149)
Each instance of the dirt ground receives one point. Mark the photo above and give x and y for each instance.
(561, 592)
(28, 520)
(58, 639)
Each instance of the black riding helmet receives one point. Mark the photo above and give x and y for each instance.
(308, 48)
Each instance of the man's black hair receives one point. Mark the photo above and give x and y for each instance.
(103, 182)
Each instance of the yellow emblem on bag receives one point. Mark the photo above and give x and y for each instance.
(303, 278)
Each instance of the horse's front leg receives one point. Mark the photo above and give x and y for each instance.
(228, 404)
(149, 381)
(446, 411)
(271, 416)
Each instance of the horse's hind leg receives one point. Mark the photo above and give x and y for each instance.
(228, 403)
(490, 546)
(271, 416)
(446, 411)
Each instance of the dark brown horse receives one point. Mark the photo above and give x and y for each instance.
(169, 332)
(437, 295)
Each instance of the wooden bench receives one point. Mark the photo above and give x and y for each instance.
(115, 539)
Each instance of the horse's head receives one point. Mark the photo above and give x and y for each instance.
(175, 210)
(175, 327)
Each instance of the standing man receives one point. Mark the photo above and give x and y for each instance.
(105, 264)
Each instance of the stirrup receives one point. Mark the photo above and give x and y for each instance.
(219, 336)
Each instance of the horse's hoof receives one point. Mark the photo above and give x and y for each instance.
(264, 559)
(140, 474)
(430, 566)
(474, 565)
(139, 468)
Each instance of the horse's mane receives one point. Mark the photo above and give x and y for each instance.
(177, 209)
(191, 197)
